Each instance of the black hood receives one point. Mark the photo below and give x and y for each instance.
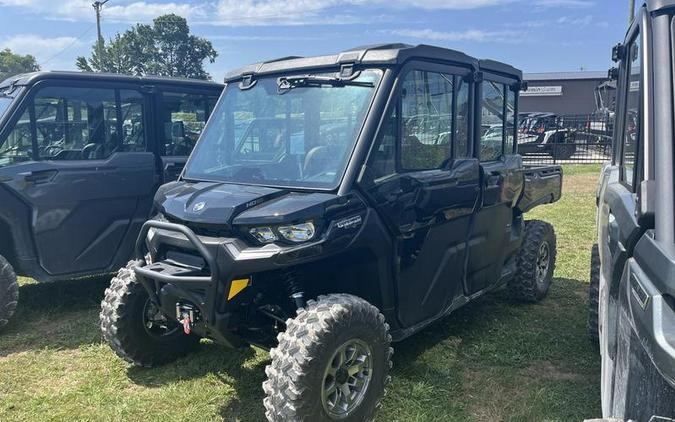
(223, 204)
(210, 202)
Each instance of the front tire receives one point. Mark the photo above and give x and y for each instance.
(135, 329)
(9, 291)
(535, 263)
(332, 362)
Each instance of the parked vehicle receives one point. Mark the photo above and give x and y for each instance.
(546, 133)
(81, 156)
(632, 310)
(365, 205)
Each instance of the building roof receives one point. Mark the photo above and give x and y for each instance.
(382, 55)
(564, 76)
(30, 78)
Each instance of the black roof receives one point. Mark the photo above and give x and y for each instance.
(381, 54)
(31, 78)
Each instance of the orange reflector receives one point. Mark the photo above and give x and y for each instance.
(237, 286)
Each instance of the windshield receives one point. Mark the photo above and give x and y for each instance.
(4, 104)
(284, 132)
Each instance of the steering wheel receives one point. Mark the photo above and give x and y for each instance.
(52, 150)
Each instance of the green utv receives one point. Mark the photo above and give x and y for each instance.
(333, 205)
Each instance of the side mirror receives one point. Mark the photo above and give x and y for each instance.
(618, 53)
(613, 74)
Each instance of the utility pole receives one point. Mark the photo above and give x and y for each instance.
(631, 11)
(98, 6)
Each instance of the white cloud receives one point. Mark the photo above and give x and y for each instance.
(582, 21)
(40, 47)
(475, 35)
(81, 10)
(259, 12)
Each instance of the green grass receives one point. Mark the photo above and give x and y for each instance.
(492, 360)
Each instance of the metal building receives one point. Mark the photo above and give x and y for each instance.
(566, 93)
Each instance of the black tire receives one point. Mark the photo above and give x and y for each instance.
(531, 281)
(594, 297)
(298, 371)
(9, 291)
(123, 324)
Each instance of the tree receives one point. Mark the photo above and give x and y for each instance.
(164, 48)
(13, 64)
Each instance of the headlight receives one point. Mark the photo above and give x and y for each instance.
(263, 234)
(298, 232)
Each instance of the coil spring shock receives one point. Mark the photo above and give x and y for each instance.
(294, 288)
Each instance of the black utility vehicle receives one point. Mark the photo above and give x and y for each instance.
(632, 291)
(81, 156)
(332, 205)
(546, 133)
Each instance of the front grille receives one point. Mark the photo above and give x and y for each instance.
(201, 229)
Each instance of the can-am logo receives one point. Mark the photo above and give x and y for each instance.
(198, 206)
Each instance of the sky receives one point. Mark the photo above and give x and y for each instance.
(533, 35)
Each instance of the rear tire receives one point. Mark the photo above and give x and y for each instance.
(9, 291)
(594, 297)
(124, 323)
(334, 345)
(535, 263)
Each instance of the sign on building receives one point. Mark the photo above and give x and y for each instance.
(542, 91)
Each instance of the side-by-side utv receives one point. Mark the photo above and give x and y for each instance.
(81, 157)
(333, 205)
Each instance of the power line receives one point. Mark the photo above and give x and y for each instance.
(68, 46)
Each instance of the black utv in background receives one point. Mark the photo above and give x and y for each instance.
(81, 156)
(632, 291)
(333, 205)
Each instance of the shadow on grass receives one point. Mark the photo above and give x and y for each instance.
(243, 370)
(501, 360)
(59, 315)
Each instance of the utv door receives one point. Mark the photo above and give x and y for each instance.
(90, 180)
(182, 117)
(425, 188)
(501, 184)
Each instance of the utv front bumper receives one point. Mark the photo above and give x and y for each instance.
(212, 274)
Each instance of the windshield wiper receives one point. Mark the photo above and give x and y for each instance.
(287, 83)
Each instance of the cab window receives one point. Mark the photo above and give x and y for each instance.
(494, 121)
(631, 132)
(77, 123)
(427, 126)
(184, 116)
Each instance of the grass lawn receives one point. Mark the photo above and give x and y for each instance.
(490, 361)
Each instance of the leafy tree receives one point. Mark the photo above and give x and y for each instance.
(164, 48)
(13, 64)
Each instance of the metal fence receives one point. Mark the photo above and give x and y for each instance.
(545, 138)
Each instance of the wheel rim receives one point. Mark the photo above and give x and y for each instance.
(346, 379)
(543, 262)
(155, 322)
